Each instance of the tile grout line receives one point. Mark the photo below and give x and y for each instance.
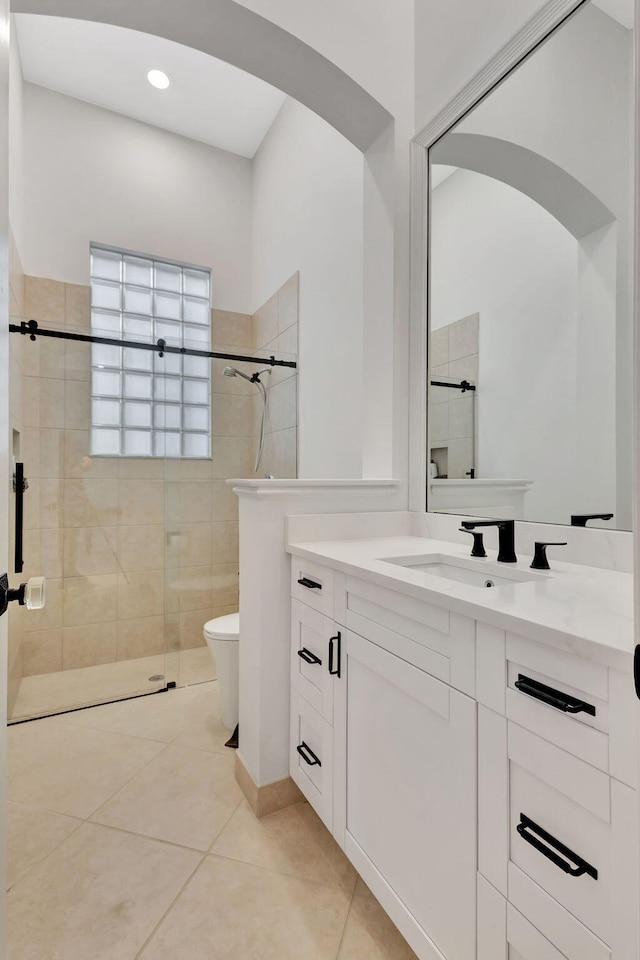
(346, 919)
(173, 903)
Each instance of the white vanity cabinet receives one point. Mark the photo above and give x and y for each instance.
(483, 783)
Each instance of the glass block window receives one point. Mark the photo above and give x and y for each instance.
(144, 405)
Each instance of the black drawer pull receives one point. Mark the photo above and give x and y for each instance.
(335, 645)
(309, 584)
(308, 657)
(581, 867)
(555, 698)
(303, 749)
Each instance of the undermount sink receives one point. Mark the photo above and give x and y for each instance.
(474, 573)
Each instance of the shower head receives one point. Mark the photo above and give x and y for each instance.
(232, 372)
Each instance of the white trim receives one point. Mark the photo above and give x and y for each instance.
(290, 488)
(522, 44)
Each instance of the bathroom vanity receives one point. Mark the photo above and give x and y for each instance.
(472, 749)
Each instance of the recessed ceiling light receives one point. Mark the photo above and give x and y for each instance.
(159, 79)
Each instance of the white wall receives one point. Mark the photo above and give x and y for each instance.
(16, 157)
(94, 175)
(308, 216)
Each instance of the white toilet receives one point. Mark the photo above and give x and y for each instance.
(222, 636)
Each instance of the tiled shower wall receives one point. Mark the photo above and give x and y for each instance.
(453, 357)
(138, 553)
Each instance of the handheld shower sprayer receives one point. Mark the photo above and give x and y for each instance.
(254, 378)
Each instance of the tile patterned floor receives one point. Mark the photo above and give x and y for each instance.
(129, 839)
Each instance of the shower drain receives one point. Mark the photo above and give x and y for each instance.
(156, 677)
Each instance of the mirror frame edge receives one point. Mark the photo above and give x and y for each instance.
(533, 32)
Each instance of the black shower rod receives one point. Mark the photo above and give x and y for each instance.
(31, 329)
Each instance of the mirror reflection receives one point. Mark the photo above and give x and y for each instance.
(531, 263)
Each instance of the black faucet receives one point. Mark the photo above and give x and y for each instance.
(580, 519)
(506, 536)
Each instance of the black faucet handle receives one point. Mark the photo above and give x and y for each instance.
(580, 519)
(540, 561)
(478, 543)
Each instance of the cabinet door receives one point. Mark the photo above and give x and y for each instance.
(409, 796)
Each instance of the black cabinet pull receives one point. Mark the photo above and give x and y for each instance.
(555, 698)
(308, 657)
(581, 866)
(335, 646)
(309, 584)
(306, 752)
(636, 670)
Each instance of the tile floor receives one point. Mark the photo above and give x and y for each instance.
(47, 693)
(129, 839)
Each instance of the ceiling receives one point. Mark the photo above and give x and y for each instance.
(208, 100)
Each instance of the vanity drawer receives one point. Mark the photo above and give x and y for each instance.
(572, 833)
(579, 705)
(311, 757)
(557, 837)
(429, 637)
(547, 932)
(315, 650)
(312, 584)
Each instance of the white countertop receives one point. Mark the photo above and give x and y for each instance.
(582, 609)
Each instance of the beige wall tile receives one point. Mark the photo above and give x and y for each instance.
(460, 458)
(48, 508)
(77, 359)
(460, 416)
(283, 405)
(439, 394)
(187, 469)
(43, 553)
(224, 543)
(78, 462)
(77, 405)
(188, 501)
(231, 329)
(189, 544)
(140, 637)
(282, 460)
(88, 645)
(89, 551)
(224, 502)
(230, 415)
(44, 403)
(191, 624)
(224, 585)
(140, 594)
(265, 322)
(439, 422)
(90, 503)
(141, 503)
(140, 468)
(439, 347)
(51, 616)
(194, 588)
(44, 358)
(232, 457)
(463, 337)
(90, 600)
(288, 303)
(141, 547)
(44, 300)
(77, 305)
(464, 369)
(42, 652)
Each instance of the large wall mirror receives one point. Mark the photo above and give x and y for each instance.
(531, 286)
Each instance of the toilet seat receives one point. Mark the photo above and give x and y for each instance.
(223, 628)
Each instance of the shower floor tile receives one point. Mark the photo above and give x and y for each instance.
(49, 693)
(129, 840)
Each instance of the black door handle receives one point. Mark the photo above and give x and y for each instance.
(554, 698)
(309, 584)
(581, 866)
(306, 752)
(308, 657)
(20, 485)
(335, 643)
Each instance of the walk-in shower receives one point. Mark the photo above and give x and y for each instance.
(140, 549)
